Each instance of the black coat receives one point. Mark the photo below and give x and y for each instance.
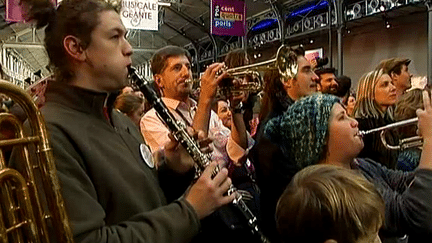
(373, 147)
(273, 171)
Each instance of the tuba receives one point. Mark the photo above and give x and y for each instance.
(32, 207)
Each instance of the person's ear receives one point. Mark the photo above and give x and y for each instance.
(319, 88)
(393, 75)
(330, 241)
(288, 83)
(73, 47)
(158, 80)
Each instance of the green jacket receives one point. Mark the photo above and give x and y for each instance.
(110, 191)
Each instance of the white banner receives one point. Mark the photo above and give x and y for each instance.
(140, 14)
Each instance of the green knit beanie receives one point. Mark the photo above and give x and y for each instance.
(301, 132)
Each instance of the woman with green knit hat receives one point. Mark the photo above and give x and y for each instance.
(317, 130)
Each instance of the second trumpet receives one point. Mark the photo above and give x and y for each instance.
(406, 143)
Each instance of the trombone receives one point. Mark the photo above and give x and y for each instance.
(406, 143)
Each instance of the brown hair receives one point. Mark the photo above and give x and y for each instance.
(236, 58)
(272, 88)
(407, 105)
(393, 65)
(72, 17)
(128, 103)
(158, 60)
(405, 108)
(329, 202)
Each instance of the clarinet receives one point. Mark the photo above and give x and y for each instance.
(201, 159)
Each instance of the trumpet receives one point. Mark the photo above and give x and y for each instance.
(406, 143)
(235, 89)
(285, 62)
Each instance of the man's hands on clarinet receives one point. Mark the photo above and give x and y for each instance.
(209, 192)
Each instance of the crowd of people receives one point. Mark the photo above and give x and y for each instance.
(294, 151)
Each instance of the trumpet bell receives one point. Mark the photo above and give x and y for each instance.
(286, 62)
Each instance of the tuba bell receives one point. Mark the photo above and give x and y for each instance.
(32, 208)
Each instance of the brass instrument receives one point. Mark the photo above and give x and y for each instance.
(285, 62)
(406, 143)
(32, 207)
(236, 89)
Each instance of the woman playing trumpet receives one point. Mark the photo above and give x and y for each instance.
(317, 130)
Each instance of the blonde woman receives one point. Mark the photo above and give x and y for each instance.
(376, 95)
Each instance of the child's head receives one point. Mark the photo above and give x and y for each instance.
(325, 202)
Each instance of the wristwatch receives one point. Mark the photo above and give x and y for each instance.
(238, 109)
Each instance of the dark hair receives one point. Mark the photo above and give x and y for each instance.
(273, 88)
(1, 71)
(215, 103)
(72, 17)
(320, 71)
(407, 105)
(236, 58)
(405, 108)
(298, 51)
(344, 86)
(128, 103)
(393, 65)
(158, 60)
(349, 94)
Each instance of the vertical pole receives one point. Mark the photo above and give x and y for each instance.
(215, 48)
(330, 37)
(244, 44)
(429, 46)
(340, 52)
(33, 34)
(340, 26)
(197, 63)
(139, 38)
(277, 9)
